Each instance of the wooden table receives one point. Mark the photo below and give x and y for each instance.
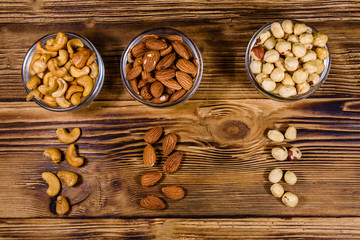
(225, 167)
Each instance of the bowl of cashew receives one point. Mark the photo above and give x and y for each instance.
(63, 72)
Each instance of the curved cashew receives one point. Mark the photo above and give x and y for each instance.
(74, 43)
(35, 57)
(69, 64)
(50, 100)
(46, 78)
(73, 89)
(41, 75)
(49, 89)
(62, 58)
(76, 72)
(91, 59)
(68, 77)
(39, 66)
(33, 82)
(70, 178)
(62, 205)
(53, 153)
(62, 102)
(67, 137)
(53, 67)
(80, 57)
(60, 91)
(53, 182)
(34, 94)
(42, 50)
(76, 99)
(50, 41)
(72, 158)
(94, 70)
(87, 83)
(59, 42)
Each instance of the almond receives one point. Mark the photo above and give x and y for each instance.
(147, 37)
(133, 84)
(180, 49)
(166, 51)
(134, 72)
(142, 83)
(173, 192)
(157, 89)
(184, 80)
(152, 203)
(145, 92)
(177, 95)
(138, 61)
(162, 99)
(146, 76)
(169, 143)
(175, 38)
(189, 51)
(171, 84)
(149, 156)
(128, 68)
(153, 135)
(186, 66)
(155, 44)
(150, 60)
(173, 162)
(150, 178)
(169, 90)
(165, 74)
(139, 50)
(166, 61)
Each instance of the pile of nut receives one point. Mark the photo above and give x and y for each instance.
(161, 68)
(288, 198)
(64, 72)
(281, 153)
(70, 178)
(288, 59)
(171, 165)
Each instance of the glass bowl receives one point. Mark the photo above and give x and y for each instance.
(99, 80)
(162, 32)
(249, 59)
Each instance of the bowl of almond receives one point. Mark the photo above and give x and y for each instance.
(161, 67)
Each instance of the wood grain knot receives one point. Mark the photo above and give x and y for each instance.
(231, 130)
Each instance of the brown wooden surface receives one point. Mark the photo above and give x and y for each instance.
(224, 172)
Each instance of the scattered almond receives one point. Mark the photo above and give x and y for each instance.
(133, 84)
(173, 192)
(169, 143)
(152, 203)
(150, 178)
(175, 38)
(153, 135)
(145, 92)
(149, 156)
(147, 37)
(173, 162)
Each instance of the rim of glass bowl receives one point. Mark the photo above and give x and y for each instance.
(99, 80)
(162, 31)
(248, 59)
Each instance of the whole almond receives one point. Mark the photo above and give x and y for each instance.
(184, 79)
(147, 37)
(177, 95)
(166, 51)
(133, 84)
(173, 192)
(169, 90)
(186, 66)
(180, 49)
(142, 83)
(172, 163)
(166, 61)
(172, 84)
(150, 60)
(169, 143)
(128, 68)
(139, 50)
(165, 74)
(152, 203)
(150, 178)
(137, 61)
(157, 89)
(162, 99)
(134, 72)
(153, 135)
(174, 38)
(149, 156)
(145, 92)
(155, 44)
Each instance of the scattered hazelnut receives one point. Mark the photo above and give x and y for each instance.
(280, 64)
(288, 80)
(268, 68)
(275, 136)
(283, 47)
(290, 199)
(313, 79)
(257, 53)
(310, 55)
(277, 190)
(279, 153)
(291, 63)
(302, 88)
(275, 175)
(293, 39)
(320, 66)
(310, 67)
(306, 38)
(260, 77)
(290, 178)
(265, 35)
(291, 133)
(294, 154)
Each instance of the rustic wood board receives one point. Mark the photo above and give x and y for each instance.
(221, 128)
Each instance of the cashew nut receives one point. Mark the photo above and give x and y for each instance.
(67, 137)
(74, 43)
(40, 65)
(73, 89)
(69, 64)
(91, 59)
(50, 100)
(50, 41)
(62, 205)
(35, 57)
(72, 158)
(70, 178)
(62, 102)
(53, 67)
(42, 50)
(68, 77)
(46, 78)
(62, 58)
(60, 91)
(80, 57)
(49, 89)
(53, 182)
(53, 153)
(94, 70)
(41, 75)
(76, 72)
(34, 94)
(76, 99)
(33, 82)
(59, 43)
(87, 83)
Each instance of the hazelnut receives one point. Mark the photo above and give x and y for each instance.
(268, 84)
(320, 66)
(299, 50)
(288, 80)
(280, 64)
(322, 53)
(294, 154)
(277, 75)
(290, 178)
(308, 45)
(299, 28)
(276, 90)
(306, 38)
(270, 43)
(291, 63)
(290, 199)
(283, 47)
(313, 79)
(293, 38)
(277, 30)
(257, 53)
(291, 133)
(260, 77)
(277, 190)
(310, 55)
(320, 40)
(287, 91)
(289, 54)
(271, 56)
(279, 153)
(265, 35)
(268, 68)
(300, 75)
(310, 67)
(303, 87)
(275, 135)
(275, 175)
(255, 66)
(288, 26)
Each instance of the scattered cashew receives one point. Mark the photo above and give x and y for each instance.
(74, 43)
(33, 83)
(42, 50)
(80, 58)
(62, 87)
(53, 153)
(53, 67)
(66, 137)
(76, 98)
(70, 178)
(73, 89)
(59, 43)
(35, 57)
(91, 59)
(94, 70)
(72, 158)
(53, 182)
(76, 72)
(49, 89)
(62, 102)
(34, 94)
(50, 100)
(62, 58)
(87, 83)
(62, 205)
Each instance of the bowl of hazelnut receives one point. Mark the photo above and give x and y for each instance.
(288, 60)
